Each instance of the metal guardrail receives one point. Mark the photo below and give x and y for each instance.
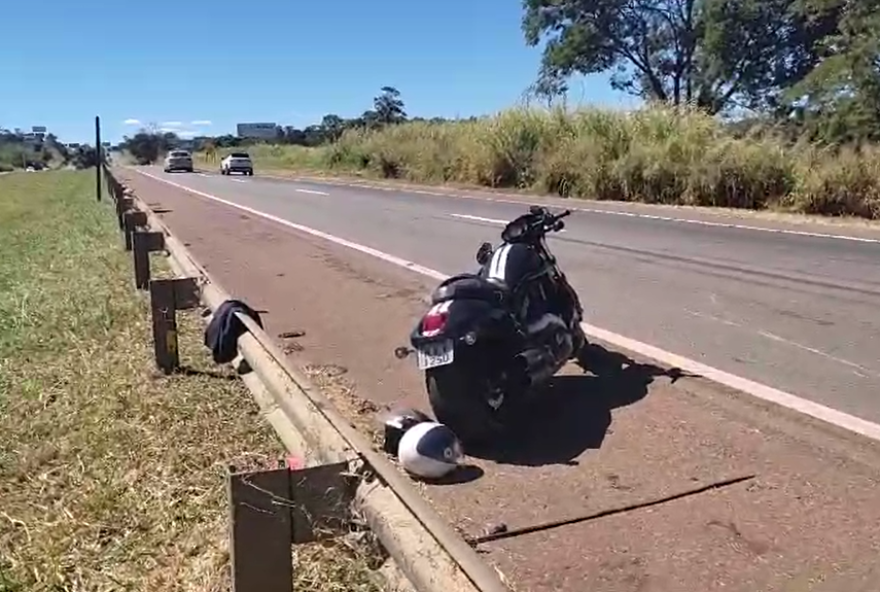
(344, 481)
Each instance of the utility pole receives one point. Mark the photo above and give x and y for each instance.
(99, 155)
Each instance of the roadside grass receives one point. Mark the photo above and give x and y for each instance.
(272, 157)
(653, 155)
(111, 474)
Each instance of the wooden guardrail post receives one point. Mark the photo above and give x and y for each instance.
(113, 187)
(145, 242)
(124, 204)
(131, 221)
(272, 509)
(167, 296)
(117, 189)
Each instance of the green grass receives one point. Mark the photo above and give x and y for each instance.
(111, 474)
(654, 155)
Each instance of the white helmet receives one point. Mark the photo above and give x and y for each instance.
(429, 450)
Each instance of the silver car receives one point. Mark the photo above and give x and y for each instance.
(237, 162)
(179, 160)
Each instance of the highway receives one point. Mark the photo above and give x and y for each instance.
(796, 312)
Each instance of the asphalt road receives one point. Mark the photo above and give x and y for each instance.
(799, 313)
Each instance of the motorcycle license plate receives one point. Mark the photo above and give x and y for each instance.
(432, 355)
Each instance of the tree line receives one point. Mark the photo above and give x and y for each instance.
(388, 108)
(17, 150)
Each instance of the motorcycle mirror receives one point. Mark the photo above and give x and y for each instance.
(484, 253)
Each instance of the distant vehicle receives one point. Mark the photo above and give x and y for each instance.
(179, 160)
(237, 162)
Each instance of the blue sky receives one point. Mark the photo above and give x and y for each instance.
(288, 61)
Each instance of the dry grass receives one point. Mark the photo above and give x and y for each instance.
(111, 475)
(342, 392)
(655, 155)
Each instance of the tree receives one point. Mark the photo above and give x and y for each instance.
(333, 126)
(369, 119)
(145, 147)
(85, 158)
(547, 90)
(227, 141)
(711, 53)
(840, 97)
(295, 136)
(314, 135)
(389, 107)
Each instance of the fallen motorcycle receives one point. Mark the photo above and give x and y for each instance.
(490, 338)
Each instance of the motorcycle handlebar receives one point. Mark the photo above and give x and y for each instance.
(539, 220)
(555, 221)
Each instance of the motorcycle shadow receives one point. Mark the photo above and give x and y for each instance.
(572, 413)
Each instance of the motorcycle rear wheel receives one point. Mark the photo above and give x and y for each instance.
(458, 401)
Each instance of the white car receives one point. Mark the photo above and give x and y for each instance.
(179, 160)
(237, 162)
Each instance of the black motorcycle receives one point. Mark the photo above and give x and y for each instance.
(491, 337)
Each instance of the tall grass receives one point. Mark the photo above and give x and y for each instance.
(654, 155)
(11, 157)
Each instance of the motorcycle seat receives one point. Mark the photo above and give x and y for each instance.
(470, 287)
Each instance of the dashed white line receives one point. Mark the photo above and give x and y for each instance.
(709, 317)
(833, 416)
(858, 239)
(479, 218)
(310, 191)
(855, 368)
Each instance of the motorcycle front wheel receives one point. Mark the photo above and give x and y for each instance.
(458, 401)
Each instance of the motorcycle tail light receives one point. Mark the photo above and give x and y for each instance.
(435, 320)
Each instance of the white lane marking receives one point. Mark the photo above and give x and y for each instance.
(709, 317)
(857, 369)
(833, 416)
(479, 218)
(238, 180)
(311, 191)
(733, 225)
